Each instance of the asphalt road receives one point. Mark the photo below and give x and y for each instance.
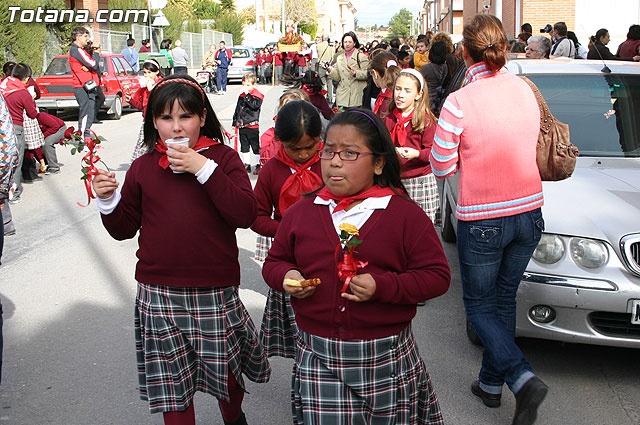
(68, 294)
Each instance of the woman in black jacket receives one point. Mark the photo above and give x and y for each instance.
(599, 49)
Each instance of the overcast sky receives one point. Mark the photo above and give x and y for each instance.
(380, 11)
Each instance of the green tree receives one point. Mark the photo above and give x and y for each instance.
(125, 5)
(400, 24)
(248, 15)
(301, 11)
(206, 9)
(228, 5)
(232, 23)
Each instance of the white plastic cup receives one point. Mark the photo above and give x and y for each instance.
(182, 141)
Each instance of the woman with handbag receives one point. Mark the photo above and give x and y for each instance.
(499, 206)
(351, 73)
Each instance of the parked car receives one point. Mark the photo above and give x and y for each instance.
(583, 283)
(243, 62)
(118, 78)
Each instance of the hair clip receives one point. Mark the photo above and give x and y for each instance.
(489, 45)
(391, 62)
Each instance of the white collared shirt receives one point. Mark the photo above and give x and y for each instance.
(356, 216)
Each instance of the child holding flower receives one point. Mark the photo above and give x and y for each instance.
(377, 255)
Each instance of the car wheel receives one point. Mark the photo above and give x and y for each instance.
(116, 109)
(447, 231)
(472, 335)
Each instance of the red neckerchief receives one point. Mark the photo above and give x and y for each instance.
(399, 131)
(384, 94)
(302, 181)
(374, 191)
(305, 88)
(253, 92)
(202, 143)
(11, 85)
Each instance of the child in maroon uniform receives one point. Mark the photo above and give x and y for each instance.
(192, 331)
(294, 170)
(356, 357)
(384, 69)
(152, 76)
(413, 126)
(311, 84)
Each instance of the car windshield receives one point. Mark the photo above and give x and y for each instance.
(240, 53)
(601, 111)
(58, 66)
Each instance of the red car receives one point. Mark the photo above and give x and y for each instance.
(118, 78)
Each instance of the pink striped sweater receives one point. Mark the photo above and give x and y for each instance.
(489, 130)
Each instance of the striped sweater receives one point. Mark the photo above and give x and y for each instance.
(489, 130)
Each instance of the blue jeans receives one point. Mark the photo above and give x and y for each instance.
(493, 255)
(221, 79)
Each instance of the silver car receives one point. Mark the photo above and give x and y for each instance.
(583, 283)
(243, 62)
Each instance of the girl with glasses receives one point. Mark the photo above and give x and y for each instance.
(293, 171)
(356, 358)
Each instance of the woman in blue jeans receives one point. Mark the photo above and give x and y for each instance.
(499, 217)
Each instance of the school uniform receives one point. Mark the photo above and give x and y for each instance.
(384, 99)
(278, 58)
(416, 173)
(278, 330)
(188, 316)
(357, 362)
(139, 100)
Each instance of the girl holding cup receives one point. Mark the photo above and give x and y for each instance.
(192, 331)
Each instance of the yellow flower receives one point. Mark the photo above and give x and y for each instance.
(349, 228)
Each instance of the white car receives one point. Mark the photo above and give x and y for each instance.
(583, 283)
(243, 62)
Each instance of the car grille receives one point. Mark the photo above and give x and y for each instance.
(59, 89)
(630, 248)
(614, 324)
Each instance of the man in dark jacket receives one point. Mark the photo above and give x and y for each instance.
(224, 58)
(84, 68)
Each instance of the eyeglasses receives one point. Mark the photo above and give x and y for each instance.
(345, 155)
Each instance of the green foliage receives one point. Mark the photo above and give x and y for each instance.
(206, 9)
(310, 29)
(301, 11)
(193, 25)
(228, 5)
(400, 24)
(233, 24)
(125, 5)
(176, 20)
(18, 39)
(248, 15)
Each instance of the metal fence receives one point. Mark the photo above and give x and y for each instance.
(195, 44)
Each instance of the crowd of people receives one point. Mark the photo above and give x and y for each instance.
(351, 166)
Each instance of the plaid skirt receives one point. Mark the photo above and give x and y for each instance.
(379, 381)
(279, 329)
(33, 137)
(424, 192)
(188, 340)
(263, 244)
(140, 148)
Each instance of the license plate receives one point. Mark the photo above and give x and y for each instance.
(635, 312)
(66, 103)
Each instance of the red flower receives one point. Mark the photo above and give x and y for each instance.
(68, 132)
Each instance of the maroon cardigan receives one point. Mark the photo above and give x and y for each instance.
(270, 180)
(404, 257)
(419, 166)
(187, 229)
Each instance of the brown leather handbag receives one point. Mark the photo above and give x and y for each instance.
(556, 155)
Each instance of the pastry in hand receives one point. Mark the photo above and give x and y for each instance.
(302, 283)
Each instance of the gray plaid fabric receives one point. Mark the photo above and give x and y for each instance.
(279, 329)
(424, 192)
(140, 149)
(188, 339)
(379, 381)
(33, 137)
(263, 244)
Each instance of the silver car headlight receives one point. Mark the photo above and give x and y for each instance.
(550, 249)
(588, 253)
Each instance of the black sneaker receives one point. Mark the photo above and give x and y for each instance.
(52, 171)
(30, 181)
(256, 170)
(247, 167)
(528, 400)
